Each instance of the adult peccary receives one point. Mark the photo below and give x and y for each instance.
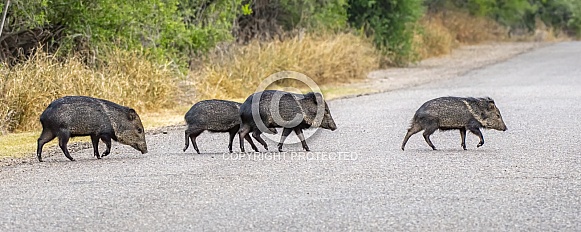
(73, 116)
(276, 109)
(214, 116)
(449, 113)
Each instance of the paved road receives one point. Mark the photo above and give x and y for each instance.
(527, 178)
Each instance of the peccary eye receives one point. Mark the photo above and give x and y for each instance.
(139, 130)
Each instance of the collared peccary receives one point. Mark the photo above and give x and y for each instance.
(73, 116)
(449, 113)
(276, 109)
(214, 116)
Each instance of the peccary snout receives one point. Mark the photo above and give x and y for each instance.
(100, 119)
(449, 113)
(328, 122)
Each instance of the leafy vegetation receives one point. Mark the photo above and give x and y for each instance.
(391, 24)
(170, 29)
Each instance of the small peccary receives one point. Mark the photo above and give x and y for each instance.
(449, 113)
(276, 109)
(73, 116)
(215, 116)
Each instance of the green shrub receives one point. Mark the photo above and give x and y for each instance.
(172, 29)
(326, 14)
(560, 14)
(391, 22)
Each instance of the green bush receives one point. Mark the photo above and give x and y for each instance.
(391, 22)
(560, 14)
(325, 14)
(172, 29)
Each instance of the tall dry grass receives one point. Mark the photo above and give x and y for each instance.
(441, 32)
(433, 39)
(127, 78)
(236, 72)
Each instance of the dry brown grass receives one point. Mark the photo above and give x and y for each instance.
(328, 58)
(467, 29)
(127, 78)
(542, 33)
(433, 39)
(440, 33)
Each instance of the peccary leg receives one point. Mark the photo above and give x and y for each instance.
(63, 140)
(477, 132)
(95, 141)
(429, 131)
(247, 137)
(187, 136)
(256, 134)
(45, 137)
(415, 128)
(193, 137)
(463, 137)
(107, 140)
(244, 130)
(232, 133)
(285, 133)
(299, 133)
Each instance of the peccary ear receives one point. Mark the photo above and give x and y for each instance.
(132, 115)
(490, 103)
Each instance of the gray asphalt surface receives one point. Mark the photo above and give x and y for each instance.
(355, 178)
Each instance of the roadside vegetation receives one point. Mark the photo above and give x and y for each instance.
(160, 56)
(327, 59)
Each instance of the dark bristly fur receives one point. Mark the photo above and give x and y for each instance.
(450, 113)
(290, 105)
(215, 116)
(73, 116)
